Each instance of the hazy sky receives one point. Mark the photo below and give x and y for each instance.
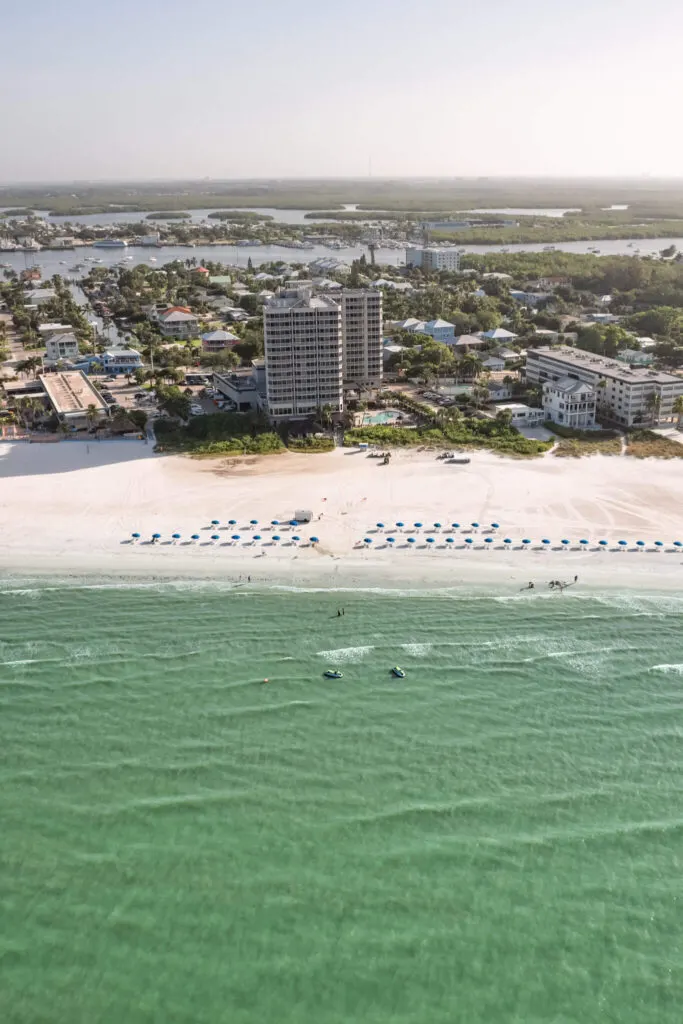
(164, 88)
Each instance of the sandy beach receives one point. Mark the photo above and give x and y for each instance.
(70, 509)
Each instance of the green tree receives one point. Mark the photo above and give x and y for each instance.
(653, 402)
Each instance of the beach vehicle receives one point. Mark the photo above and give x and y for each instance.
(398, 672)
(333, 673)
(458, 462)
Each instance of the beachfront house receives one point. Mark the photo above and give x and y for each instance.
(121, 360)
(570, 403)
(468, 343)
(178, 322)
(61, 346)
(218, 341)
(246, 388)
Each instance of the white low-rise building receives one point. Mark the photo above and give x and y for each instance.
(627, 395)
(433, 258)
(570, 403)
(522, 415)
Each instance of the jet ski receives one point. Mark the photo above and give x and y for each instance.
(398, 672)
(333, 673)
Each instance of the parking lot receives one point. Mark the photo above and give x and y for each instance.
(204, 398)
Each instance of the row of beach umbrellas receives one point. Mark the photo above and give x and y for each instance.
(545, 542)
(436, 526)
(195, 538)
(254, 522)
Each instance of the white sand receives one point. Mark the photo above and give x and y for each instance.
(70, 508)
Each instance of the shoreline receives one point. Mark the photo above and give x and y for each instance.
(69, 511)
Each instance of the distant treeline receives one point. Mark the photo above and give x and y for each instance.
(240, 216)
(169, 215)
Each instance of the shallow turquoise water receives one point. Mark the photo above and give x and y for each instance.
(496, 837)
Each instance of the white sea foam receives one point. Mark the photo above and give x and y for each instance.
(346, 653)
(678, 668)
(417, 650)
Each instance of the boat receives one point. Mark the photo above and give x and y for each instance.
(333, 673)
(110, 243)
(398, 672)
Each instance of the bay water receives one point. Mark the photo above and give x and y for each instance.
(495, 837)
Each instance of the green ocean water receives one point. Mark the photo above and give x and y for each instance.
(496, 838)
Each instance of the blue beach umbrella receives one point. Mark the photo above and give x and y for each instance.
(430, 540)
(677, 543)
(235, 536)
(253, 522)
(545, 541)
(380, 526)
(276, 538)
(367, 540)
(468, 540)
(215, 522)
(156, 536)
(659, 544)
(314, 540)
(640, 543)
(135, 536)
(526, 541)
(449, 540)
(584, 542)
(507, 541)
(417, 525)
(295, 539)
(488, 540)
(232, 522)
(455, 526)
(293, 522)
(215, 537)
(391, 540)
(623, 543)
(495, 526)
(399, 525)
(175, 536)
(195, 537)
(475, 525)
(257, 536)
(565, 542)
(603, 543)
(411, 540)
(274, 522)
(437, 526)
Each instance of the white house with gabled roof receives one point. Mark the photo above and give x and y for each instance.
(570, 403)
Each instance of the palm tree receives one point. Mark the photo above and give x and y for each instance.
(91, 415)
(653, 403)
(678, 409)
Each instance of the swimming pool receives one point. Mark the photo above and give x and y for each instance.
(385, 416)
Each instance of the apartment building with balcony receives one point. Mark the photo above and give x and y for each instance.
(362, 356)
(626, 395)
(303, 353)
(432, 258)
